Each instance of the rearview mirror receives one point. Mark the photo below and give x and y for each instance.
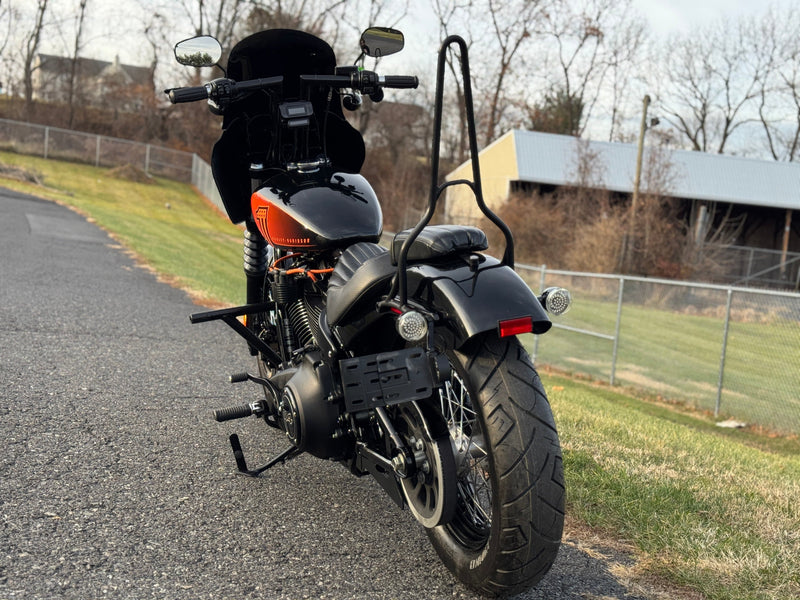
(381, 41)
(201, 51)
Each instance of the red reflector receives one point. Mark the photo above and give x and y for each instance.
(515, 326)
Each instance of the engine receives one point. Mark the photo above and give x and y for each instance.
(309, 416)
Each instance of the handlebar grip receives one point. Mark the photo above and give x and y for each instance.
(187, 94)
(400, 81)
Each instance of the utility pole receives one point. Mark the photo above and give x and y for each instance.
(787, 231)
(636, 180)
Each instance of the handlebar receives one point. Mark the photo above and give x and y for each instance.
(226, 89)
(220, 88)
(363, 79)
(187, 94)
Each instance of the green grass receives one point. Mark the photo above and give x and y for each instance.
(677, 356)
(713, 510)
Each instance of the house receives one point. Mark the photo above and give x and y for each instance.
(766, 194)
(94, 80)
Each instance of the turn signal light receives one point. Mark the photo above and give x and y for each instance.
(556, 300)
(412, 326)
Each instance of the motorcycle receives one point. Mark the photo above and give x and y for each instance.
(402, 363)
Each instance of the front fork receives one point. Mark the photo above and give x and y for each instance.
(257, 258)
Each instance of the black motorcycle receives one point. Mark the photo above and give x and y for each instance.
(400, 363)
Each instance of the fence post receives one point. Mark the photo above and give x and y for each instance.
(97, 153)
(147, 159)
(724, 351)
(541, 288)
(616, 331)
(195, 165)
(46, 141)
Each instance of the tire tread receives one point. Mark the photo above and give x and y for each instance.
(528, 470)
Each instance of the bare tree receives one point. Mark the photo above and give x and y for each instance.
(712, 76)
(449, 15)
(74, 62)
(30, 50)
(583, 42)
(779, 91)
(624, 59)
(512, 24)
(8, 20)
(217, 18)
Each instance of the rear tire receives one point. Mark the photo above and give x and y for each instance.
(510, 515)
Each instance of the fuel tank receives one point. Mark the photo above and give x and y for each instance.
(297, 211)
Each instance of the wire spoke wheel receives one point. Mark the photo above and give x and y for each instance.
(473, 520)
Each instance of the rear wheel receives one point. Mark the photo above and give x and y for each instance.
(509, 516)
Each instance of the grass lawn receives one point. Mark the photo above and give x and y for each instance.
(716, 511)
(677, 356)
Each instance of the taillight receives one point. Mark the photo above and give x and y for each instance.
(511, 327)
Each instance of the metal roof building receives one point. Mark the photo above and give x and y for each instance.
(764, 193)
(549, 159)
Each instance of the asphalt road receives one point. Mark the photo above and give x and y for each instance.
(116, 483)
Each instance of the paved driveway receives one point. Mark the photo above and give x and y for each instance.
(116, 483)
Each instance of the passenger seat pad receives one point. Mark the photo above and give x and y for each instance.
(440, 240)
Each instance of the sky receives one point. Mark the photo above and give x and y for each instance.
(671, 16)
(663, 16)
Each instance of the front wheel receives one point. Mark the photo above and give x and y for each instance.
(509, 518)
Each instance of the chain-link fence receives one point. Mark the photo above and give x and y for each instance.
(760, 266)
(734, 352)
(104, 151)
(728, 350)
(97, 150)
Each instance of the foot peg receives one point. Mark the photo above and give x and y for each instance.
(241, 463)
(239, 377)
(242, 377)
(233, 412)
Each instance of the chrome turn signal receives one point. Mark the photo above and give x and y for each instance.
(412, 326)
(556, 300)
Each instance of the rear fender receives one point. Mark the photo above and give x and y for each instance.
(473, 301)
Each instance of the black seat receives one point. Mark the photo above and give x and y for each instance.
(440, 240)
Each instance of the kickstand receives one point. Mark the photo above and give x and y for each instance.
(241, 464)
